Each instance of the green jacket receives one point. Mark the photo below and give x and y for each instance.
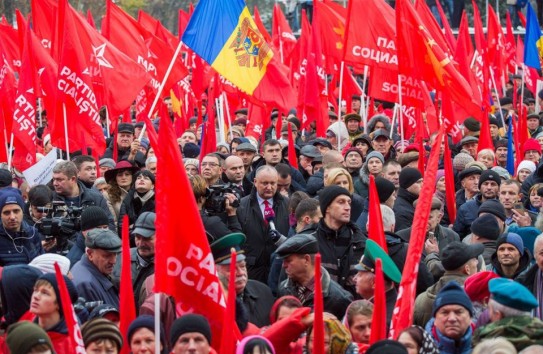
(521, 331)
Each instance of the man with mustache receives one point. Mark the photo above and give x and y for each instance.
(256, 296)
(142, 257)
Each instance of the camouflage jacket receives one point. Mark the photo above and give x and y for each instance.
(521, 331)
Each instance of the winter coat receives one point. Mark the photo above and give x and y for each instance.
(335, 298)
(133, 207)
(524, 263)
(521, 331)
(341, 250)
(140, 270)
(404, 209)
(258, 300)
(298, 181)
(16, 287)
(315, 183)
(465, 216)
(93, 285)
(60, 338)
(78, 249)
(88, 197)
(20, 248)
(139, 160)
(259, 246)
(425, 301)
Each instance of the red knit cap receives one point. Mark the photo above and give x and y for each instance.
(531, 144)
(476, 285)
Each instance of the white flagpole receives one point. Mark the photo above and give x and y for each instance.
(157, 323)
(364, 108)
(10, 151)
(227, 108)
(340, 103)
(66, 131)
(161, 87)
(400, 113)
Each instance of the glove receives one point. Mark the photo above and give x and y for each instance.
(276, 237)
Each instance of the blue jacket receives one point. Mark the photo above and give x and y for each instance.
(93, 285)
(465, 216)
(20, 248)
(447, 345)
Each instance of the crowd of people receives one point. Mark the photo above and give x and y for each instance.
(480, 278)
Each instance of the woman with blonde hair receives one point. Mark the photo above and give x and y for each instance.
(340, 177)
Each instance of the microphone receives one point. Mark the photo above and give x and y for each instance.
(269, 215)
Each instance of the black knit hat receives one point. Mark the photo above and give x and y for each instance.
(24, 335)
(452, 294)
(191, 150)
(486, 226)
(328, 194)
(52, 279)
(190, 323)
(488, 175)
(385, 188)
(409, 176)
(494, 207)
(5, 178)
(145, 321)
(100, 328)
(93, 216)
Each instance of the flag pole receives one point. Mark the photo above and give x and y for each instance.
(218, 105)
(339, 104)
(366, 70)
(400, 113)
(107, 123)
(161, 87)
(157, 322)
(365, 115)
(496, 89)
(66, 131)
(10, 151)
(228, 114)
(394, 114)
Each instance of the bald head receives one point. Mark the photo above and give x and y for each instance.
(332, 156)
(233, 169)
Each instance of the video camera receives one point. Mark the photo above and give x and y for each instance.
(61, 222)
(216, 199)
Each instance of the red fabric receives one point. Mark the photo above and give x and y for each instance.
(43, 23)
(430, 22)
(183, 22)
(349, 89)
(376, 231)
(73, 341)
(154, 26)
(378, 319)
(282, 36)
(90, 19)
(450, 195)
(285, 334)
(449, 36)
(331, 16)
(510, 45)
(405, 303)
(370, 33)
(258, 122)
(318, 323)
(127, 303)
(8, 89)
(209, 135)
(62, 343)
(496, 46)
(184, 267)
(228, 342)
(292, 159)
(420, 57)
(260, 25)
(12, 48)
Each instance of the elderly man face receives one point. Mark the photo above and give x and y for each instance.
(452, 320)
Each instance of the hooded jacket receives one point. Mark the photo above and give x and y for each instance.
(21, 247)
(524, 264)
(16, 287)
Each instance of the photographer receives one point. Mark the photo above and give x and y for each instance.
(212, 223)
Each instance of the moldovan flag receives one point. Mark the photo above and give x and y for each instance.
(184, 265)
(224, 34)
(533, 46)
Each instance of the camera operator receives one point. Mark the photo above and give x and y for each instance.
(212, 223)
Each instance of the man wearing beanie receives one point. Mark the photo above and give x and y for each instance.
(511, 257)
(387, 196)
(27, 337)
(510, 309)
(469, 180)
(127, 146)
(190, 333)
(341, 242)
(485, 230)
(92, 217)
(501, 152)
(489, 184)
(101, 335)
(450, 325)
(19, 242)
(459, 261)
(410, 185)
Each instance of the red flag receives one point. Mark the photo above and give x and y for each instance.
(8, 88)
(496, 46)
(370, 34)
(183, 21)
(292, 159)
(209, 135)
(449, 36)
(228, 344)
(318, 309)
(44, 13)
(127, 305)
(350, 88)
(258, 122)
(405, 304)
(154, 26)
(69, 314)
(90, 19)
(510, 46)
(12, 47)
(332, 17)
(184, 267)
(375, 219)
(282, 36)
(419, 56)
(260, 25)
(378, 319)
(434, 29)
(449, 183)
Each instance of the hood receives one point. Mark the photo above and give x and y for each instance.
(16, 288)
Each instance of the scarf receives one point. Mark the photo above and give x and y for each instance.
(145, 197)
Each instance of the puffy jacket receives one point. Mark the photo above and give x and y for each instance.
(341, 250)
(20, 248)
(88, 197)
(259, 246)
